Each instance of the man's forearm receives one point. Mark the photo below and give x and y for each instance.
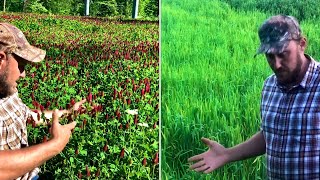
(15, 163)
(253, 147)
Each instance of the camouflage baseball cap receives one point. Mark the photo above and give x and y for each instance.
(276, 32)
(14, 39)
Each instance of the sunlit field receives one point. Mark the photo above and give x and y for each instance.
(115, 66)
(211, 83)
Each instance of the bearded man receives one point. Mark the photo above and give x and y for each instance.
(17, 159)
(290, 128)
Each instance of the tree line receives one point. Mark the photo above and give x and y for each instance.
(302, 10)
(103, 8)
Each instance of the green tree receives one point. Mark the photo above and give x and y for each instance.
(152, 8)
(13, 5)
(123, 7)
(35, 6)
(58, 7)
(147, 8)
(103, 8)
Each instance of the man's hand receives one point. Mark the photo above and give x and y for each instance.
(208, 161)
(77, 105)
(60, 133)
(217, 155)
(15, 163)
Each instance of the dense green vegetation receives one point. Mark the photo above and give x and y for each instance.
(109, 8)
(211, 83)
(300, 9)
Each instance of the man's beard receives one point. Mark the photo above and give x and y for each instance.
(5, 88)
(294, 74)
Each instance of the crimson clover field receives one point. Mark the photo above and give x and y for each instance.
(114, 64)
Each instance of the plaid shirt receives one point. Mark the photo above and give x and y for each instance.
(13, 130)
(291, 126)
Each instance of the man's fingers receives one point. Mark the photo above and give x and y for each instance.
(55, 117)
(71, 126)
(195, 158)
(209, 170)
(206, 141)
(82, 101)
(78, 104)
(202, 168)
(198, 164)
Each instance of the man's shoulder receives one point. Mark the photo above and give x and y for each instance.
(10, 104)
(14, 95)
(271, 80)
(315, 64)
(314, 71)
(14, 98)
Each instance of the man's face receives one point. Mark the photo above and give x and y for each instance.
(287, 65)
(11, 71)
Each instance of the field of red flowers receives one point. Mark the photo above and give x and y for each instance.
(115, 66)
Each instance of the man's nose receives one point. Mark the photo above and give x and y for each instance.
(23, 74)
(277, 62)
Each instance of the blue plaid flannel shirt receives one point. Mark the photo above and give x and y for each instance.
(291, 127)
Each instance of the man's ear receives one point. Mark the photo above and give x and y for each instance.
(3, 59)
(303, 44)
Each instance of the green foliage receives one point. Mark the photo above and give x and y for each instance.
(210, 85)
(58, 7)
(124, 7)
(13, 5)
(104, 8)
(300, 9)
(36, 7)
(152, 8)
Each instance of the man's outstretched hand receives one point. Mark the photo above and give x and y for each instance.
(75, 107)
(60, 133)
(210, 160)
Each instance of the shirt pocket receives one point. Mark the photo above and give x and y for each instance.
(304, 123)
(304, 131)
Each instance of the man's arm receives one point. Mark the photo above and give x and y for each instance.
(255, 146)
(15, 163)
(218, 156)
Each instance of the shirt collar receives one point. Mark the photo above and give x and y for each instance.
(10, 96)
(309, 74)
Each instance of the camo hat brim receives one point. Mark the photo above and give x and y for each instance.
(14, 39)
(276, 33)
(273, 48)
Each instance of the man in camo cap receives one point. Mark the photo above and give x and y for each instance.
(290, 128)
(276, 33)
(17, 160)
